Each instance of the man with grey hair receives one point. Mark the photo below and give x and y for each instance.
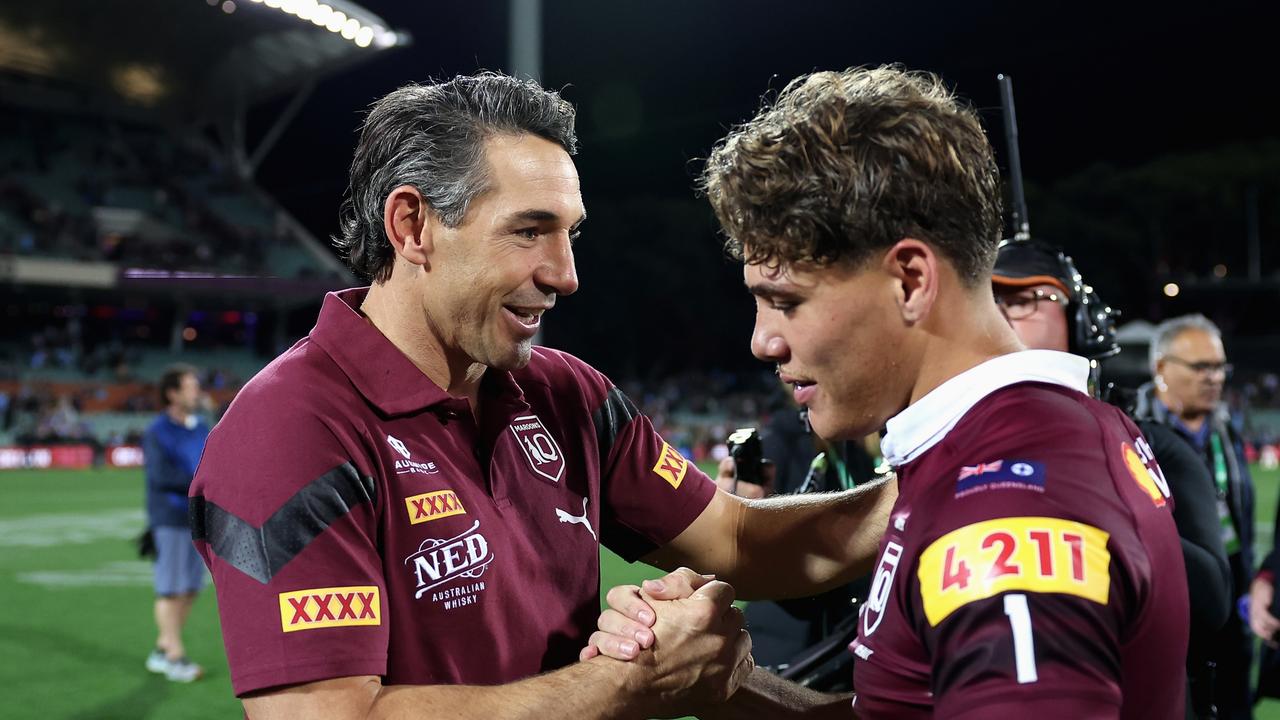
(1189, 368)
(403, 512)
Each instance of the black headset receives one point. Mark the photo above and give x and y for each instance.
(1091, 323)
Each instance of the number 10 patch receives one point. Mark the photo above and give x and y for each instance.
(1034, 554)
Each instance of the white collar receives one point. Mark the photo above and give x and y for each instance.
(927, 421)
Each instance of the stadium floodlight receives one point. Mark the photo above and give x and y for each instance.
(386, 38)
(341, 17)
(306, 9)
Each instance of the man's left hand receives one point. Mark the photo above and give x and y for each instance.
(625, 626)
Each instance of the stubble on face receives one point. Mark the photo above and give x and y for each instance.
(490, 262)
(1194, 393)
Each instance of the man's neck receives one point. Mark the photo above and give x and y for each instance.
(396, 312)
(961, 339)
(178, 415)
(1192, 421)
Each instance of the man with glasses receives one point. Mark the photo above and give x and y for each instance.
(1033, 298)
(1189, 368)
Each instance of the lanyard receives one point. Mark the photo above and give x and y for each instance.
(818, 470)
(842, 470)
(1219, 463)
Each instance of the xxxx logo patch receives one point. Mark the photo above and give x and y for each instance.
(433, 506)
(330, 607)
(671, 465)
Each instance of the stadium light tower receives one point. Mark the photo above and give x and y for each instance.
(525, 39)
(524, 53)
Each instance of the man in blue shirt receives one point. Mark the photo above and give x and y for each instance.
(172, 447)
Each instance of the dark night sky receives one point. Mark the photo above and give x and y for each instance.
(656, 83)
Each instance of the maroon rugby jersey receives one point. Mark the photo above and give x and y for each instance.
(357, 521)
(1031, 567)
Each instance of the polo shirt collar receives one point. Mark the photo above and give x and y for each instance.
(927, 421)
(377, 368)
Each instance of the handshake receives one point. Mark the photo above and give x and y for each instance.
(681, 638)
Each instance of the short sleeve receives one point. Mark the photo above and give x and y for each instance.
(650, 492)
(1022, 588)
(285, 518)
(1020, 609)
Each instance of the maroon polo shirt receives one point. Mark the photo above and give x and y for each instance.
(358, 521)
(1031, 565)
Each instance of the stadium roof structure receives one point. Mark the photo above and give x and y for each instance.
(185, 65)
(186, 59)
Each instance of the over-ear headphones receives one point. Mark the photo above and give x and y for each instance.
(1091, 323)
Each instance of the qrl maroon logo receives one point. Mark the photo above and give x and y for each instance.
(539, 447)
(878, 599)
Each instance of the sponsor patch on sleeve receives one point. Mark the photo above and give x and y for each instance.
(1141, 462)
(1031, 554)
(330, 607)
(1000, 475)
(671, 465)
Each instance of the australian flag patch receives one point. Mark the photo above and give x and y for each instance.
(1000, 475)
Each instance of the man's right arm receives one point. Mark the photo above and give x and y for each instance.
(703, 657)
(586, 690)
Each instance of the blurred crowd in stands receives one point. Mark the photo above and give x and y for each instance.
(55, 389)
(696, 411)
(189, 212)
(54, 386)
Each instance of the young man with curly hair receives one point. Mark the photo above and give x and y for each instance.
(1030, 567)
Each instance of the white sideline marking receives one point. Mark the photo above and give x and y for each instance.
(71, 528)
(117, 574)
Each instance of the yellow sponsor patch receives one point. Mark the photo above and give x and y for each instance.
(1142, 474)
(1033, 554)
(330, 607)
(671, 465)
(433, 506)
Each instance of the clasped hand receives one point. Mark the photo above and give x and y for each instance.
(683, 631)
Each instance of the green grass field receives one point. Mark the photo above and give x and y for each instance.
(77, 622)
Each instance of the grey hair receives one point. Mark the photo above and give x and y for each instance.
(1169, 330)
(432, 137)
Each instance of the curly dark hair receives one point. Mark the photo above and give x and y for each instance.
(846, 163)
(432, 137)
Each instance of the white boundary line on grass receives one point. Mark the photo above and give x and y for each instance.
(71, 528)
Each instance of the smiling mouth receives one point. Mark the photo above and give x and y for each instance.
(527, 317)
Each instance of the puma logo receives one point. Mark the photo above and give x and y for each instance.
(565, 517)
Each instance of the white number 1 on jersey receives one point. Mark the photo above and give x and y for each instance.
(1024, 646)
